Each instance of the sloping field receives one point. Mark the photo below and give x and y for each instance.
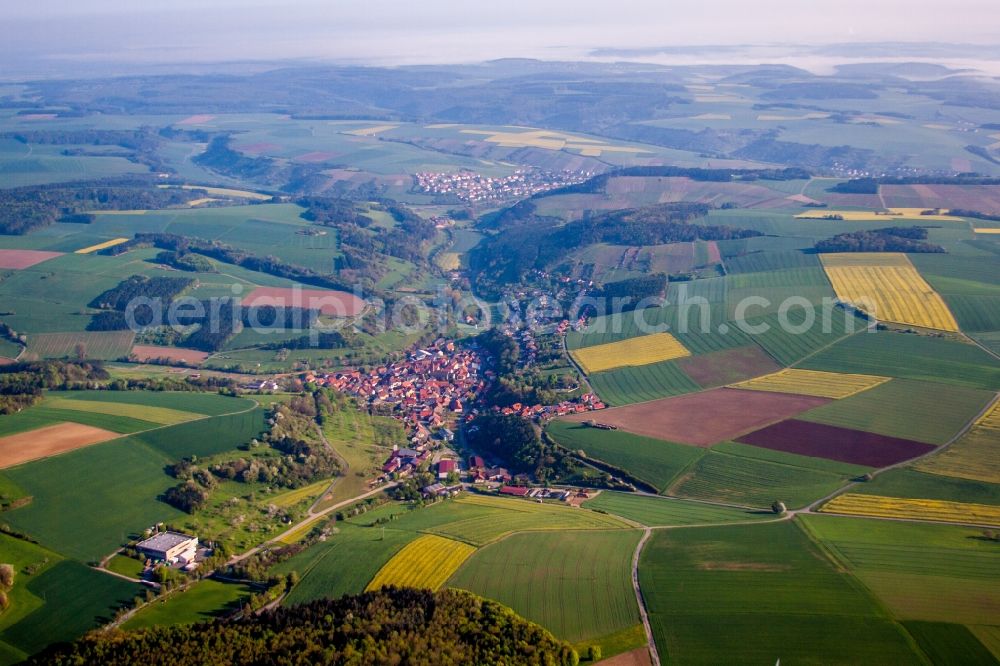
(425, 562)
(647, 382)
(985, 198)
(921, 411)
(975, 456)
(651, 460)
(17, 259)
(887, 286)
(102, 246)
(764, 591)
(577, 584)
(912, 357)
(40, 416)
(504, 516)
(728, 366)
(330, 303)
(705, 418)
(206, 437)
(813, 382)
(794, 341)
(921, 571)
(721, 477)
(641, 350)
(824, 441)
(209, 404)
(914, 509)
(160, 415)
(99, 345)
(154, 352)
(49, 441)
(663, 511)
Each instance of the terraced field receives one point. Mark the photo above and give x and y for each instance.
(913, 509)
(889, 287)
(813, 382)
(425, 562)
(576, 584)
(637, 351)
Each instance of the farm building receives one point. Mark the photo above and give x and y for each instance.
(169, 547)
(446, 467)
(515, 491)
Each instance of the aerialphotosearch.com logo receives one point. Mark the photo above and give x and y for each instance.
(312, 312)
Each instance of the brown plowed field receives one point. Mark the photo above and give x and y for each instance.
(984, 198)
(833, 443)
(637, 657)
(153, 352)
(705, 418)
(17, 259)
(49, 441)
(329, 302)
(728, 366)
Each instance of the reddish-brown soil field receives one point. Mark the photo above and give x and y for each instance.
(328, 302)
(49, 441)
(153, 352)
(824, 441)
(315, 156)
(714, 254)
(25, 258)
(984, 198)
(705, 418)
(6, 361)
(196, 119)
(728, 366)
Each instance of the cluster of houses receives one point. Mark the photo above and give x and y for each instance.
(422, 390)
(588, 402)
(472, 187)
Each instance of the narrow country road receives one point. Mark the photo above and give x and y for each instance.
(654, 656)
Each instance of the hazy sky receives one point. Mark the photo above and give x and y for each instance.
(45, 33)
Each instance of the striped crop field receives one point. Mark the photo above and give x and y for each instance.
(887, 286)
(974, 456)
(426, 562)
(160, 415)
(641, 350)
(102, 246)
(817, 383)
(293, 497)
(913, 509)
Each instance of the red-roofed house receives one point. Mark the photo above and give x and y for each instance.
(514, 491)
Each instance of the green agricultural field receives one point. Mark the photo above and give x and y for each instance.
(663, 511)
(746, 481)
(627, 385)
(505, 516)
(40, 416)
(921, 411)
(102, 345)
(799, 339)
(651, 460)
(206, 437)
(763, 262)
(842, 469)
(910, 356)
(203, 601)
(25, 557)
(87, 502)
(208, 404)
(126, 566)
(764, 590)
(76, 599)
(920, 485)
(344, 563)
(949, 644)
(576, 585)
(804, 285)
(158, 415)
(980, 269)
(934, 573)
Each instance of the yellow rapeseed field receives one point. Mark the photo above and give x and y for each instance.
(887, 286)
(987, 230)
(370, 131)
(915, 509)
(426, 562)
(101, 246)
(976, 456)
(550, 140)
(641, 350)
(835, 385)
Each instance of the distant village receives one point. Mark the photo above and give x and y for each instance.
(472, 187)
